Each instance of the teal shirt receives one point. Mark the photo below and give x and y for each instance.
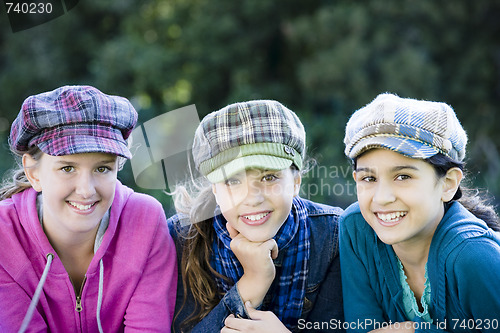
(463, 271)
(410, 304)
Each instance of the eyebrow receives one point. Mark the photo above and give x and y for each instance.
(394, 169)
(107, 161)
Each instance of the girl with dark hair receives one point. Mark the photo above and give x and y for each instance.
(418, 253)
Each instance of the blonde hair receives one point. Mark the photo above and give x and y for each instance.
(16, 180)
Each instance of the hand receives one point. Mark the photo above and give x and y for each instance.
(261, 322)
(256, 258)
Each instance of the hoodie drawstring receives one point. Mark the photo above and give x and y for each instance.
(99, 297)
(36, 296)
(39, 288)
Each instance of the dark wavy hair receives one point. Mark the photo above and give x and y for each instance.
(476, 201)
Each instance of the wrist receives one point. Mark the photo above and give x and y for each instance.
(253, 289)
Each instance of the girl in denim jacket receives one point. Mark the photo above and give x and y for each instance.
(418, 253)
(253, 255)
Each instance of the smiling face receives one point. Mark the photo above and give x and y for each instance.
(77, 191)
(257, 202)
(401, 198)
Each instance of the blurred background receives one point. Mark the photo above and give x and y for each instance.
(322, 59)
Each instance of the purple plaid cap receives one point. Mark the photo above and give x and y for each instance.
(72, 120)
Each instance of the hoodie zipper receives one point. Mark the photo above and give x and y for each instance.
(79, 297)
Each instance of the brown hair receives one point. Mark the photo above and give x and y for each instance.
(198, 202)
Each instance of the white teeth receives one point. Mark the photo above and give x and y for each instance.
(80, 207)
(391, 216)
(256, 217)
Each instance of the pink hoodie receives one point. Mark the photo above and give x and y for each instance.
(138, 265)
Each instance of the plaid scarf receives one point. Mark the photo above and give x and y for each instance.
(293, 244)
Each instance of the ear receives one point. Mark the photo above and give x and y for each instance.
(354, 175)
(296, 185)
(31, 172)
(451, 181)
(214, 191)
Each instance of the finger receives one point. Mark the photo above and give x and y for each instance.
(273, 247)
(233, 324)
(229, 321)
(251, 310)
(232, 232)
(253, 313)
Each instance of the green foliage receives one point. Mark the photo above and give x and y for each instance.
(322, 59)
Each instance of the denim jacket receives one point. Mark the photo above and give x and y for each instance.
(323, 308)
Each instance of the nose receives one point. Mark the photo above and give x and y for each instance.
(255, 194)
(384, 194)
(85, 186)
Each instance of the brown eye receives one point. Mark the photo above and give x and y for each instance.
(102, 169)
(269, 177)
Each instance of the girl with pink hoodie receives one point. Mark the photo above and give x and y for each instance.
(80, 251)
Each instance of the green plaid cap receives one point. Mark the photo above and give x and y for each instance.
(415, 128)
(261, 134)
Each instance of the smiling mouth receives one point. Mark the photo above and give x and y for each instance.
(391, 218)
(256, 219)
(82, 207)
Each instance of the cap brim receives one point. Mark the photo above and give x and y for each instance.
(78, 144)
(265, 162)
(405, 146)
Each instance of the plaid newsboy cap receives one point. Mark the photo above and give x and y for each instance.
(261, 134)
(415, 128)
(72, 120)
